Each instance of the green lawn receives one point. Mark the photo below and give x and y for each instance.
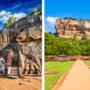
(60, 67)
(88, 62)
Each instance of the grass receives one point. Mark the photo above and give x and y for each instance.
(88, 62)
(60, 67)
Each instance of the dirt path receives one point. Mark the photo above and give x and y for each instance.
(20, 84)
(78, 78)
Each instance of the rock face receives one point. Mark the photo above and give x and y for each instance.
(4, 38)
(2, 65)
(69, 28)
(24, 36)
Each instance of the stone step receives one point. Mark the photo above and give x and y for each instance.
(15, 61)
(14, 71)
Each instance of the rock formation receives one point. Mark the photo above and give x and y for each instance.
(69, 28)
(24, 39)
(2, 65)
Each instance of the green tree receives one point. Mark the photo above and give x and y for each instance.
(50, 33)
(80, 19)
(10, 20)
(39, 9)
(88, 49)
(35, 11)
(63, 46)
(75, 37)
(84, 37)
(5, 25)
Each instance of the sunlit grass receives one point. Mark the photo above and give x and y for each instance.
(60, 67)
(88, 62)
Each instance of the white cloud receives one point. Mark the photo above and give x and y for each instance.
(49, 24)
(4, 19)
(51, 19)
(4, 15)
(19, 15)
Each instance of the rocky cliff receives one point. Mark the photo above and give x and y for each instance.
(69, 28)
(24, 36)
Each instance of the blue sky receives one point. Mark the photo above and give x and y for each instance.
(65, 8)
(16, 8)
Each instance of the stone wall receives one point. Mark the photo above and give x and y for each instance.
(62, 58)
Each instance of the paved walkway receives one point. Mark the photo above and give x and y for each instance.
(78, 78)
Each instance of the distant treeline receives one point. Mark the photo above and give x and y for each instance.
(70, 18)
(63, 46)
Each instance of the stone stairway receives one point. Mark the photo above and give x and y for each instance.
(14, 69)
(14, 72)
(15, 61)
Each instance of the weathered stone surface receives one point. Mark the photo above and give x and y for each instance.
(26, 29)
(28, 64)
(69, 28)
(2, 65)
(24, 39)
(4, 38)
(24, 34)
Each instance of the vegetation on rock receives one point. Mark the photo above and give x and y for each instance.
(70, 18)
(10, 20)
(31, 13)
(35, 11)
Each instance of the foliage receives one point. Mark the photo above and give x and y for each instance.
(80, 19)
(35, 11)
(62, 46)
(39, 9)
(70, 18)
(84, 37)
(50, 33)
(5, 25)
(60, 67)
(10, 20)
(75, 37)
